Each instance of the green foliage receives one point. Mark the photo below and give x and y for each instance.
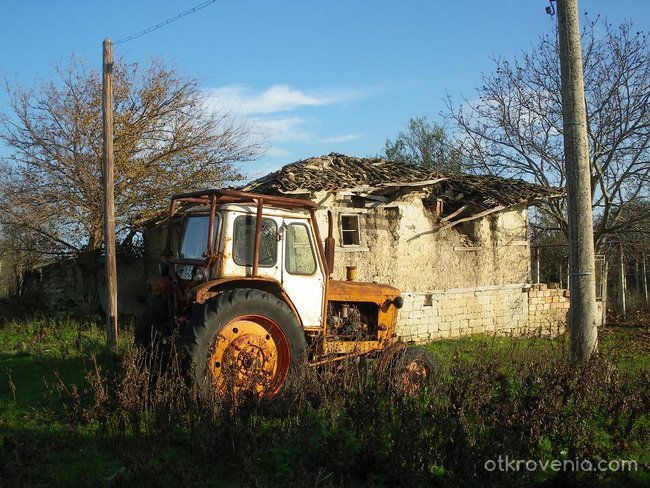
(128, 420)
(424, 143)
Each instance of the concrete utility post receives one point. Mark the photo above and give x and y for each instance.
(109, 199)
(583, 312)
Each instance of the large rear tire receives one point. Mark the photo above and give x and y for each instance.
(243, 340)
(153, 325)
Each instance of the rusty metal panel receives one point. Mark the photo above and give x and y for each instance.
(361, 292)
(382, 295)
(351, 347)
(233, 196)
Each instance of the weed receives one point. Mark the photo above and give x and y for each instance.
(136, 419)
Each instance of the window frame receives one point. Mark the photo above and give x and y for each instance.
(254, 223)
(311, 247)
(182, 229)
(346, 231)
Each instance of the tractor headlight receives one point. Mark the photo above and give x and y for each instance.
(398, 302)
(201, 274)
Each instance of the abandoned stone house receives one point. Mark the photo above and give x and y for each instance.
(456, 245)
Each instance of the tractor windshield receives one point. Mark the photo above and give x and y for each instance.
(194, 236)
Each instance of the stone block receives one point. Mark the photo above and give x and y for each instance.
(473, 323)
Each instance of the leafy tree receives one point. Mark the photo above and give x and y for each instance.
(166, 140)
(424, 143)
(514, 126)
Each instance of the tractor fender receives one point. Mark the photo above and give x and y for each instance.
(206, 291)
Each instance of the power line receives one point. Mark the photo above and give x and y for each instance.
(166, 22)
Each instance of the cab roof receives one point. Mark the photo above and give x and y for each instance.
(221, 196)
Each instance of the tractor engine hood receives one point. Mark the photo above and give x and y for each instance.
(358, 291)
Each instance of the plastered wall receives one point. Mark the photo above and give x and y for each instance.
(467, 279)
(403, 244)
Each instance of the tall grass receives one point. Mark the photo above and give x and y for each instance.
(343, 425)
(73, 414)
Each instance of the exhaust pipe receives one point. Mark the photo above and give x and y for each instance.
(350, 273)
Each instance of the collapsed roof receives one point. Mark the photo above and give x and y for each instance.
(457, 196)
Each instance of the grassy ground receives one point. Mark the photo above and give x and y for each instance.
(64, 422)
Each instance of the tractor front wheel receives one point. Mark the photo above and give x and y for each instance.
(243, 340)
(153, 325)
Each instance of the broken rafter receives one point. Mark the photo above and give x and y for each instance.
(449, 225)
(415, 184)
(456, 213)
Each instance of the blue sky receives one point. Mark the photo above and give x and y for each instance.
(318, 76)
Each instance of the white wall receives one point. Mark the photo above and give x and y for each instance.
(471, 278)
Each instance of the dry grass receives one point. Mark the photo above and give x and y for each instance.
(134, 419)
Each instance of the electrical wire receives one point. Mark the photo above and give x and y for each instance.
(166, 22)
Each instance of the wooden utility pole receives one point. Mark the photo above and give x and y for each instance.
(583, 311)
(109, 199)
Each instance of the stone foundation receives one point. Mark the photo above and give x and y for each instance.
(547, 309)
(515, 309)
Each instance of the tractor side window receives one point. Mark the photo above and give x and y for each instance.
(244, 241)
(194, 240)
(350, 235)
(299, 254)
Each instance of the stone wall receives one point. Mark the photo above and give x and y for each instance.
(59, 286)
(468, 279)
(548, 309)
(440, 314)
(63, 286)
(509, 309)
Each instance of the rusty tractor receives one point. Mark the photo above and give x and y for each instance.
(246, 284)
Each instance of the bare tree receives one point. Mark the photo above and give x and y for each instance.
(424, 143)
(514, 127)
(166, 140)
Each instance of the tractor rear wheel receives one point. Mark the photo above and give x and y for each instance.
(153, 325)
(243, 340)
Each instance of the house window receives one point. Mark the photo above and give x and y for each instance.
(350, 235)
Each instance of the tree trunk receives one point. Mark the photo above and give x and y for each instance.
(623, 282)
(645, 281)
